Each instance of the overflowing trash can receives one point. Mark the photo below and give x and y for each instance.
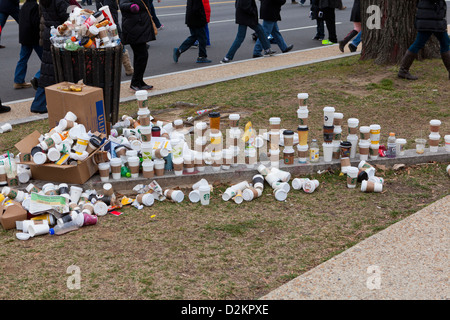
(97, 67)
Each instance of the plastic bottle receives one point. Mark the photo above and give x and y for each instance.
(314, 151)
(64, 228)
(391, 146)
(125, 171)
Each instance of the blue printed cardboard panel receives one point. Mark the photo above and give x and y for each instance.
(86, 104)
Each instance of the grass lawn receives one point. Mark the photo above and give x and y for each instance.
(230, 251)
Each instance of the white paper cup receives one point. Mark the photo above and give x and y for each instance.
(447, 142)
(70, 116)
(271, 178)
(75, 193)
(38, 229)
(281, 185)
(364, 133)
(400, 146)
(148, 199)
(280, 194)
(327, 152)
(338, 117)
(194, 196)
(104, 168)
(352, 177)
(297, 183)
(175, 195)
(201, 182)
(310, 185)
(375, 133)
(370, 186)
(435, 125)
(133, 164)
(353, 139)
(6, 127)
(205, 194)
(373, 151)
(159, 167)
(364, 146)
(284, 176)
(328, 116)
(433, 141)
(116, 164)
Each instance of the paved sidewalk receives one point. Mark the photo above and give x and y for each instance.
(407, 261)
(198, 77)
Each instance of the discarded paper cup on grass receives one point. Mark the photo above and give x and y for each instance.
(6, 128)
(364, 146)
(175, 195)
(353, 125)
(373, 151)
(284, 176)
(328, 116)
(364, 133)
(302, 152)
(238, 198)
(280, 194)
(194, 196)
(369, 186)
(38, 229)
(338, 118)
(352, 177)
(251, 193)
(108, 189)
(159, 167)
(205, 194)
(433, 141)
(297, 183)
(310, 185)
(275, 123)
(353, 139)
(375, 133)
(376, 179)
(147, 199)
(281, 185)
(100, 208)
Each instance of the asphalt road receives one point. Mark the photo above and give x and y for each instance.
(296, 28)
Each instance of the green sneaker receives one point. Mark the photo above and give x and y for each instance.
(327, 42)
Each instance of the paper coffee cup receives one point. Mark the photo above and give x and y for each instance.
(310, 185)
(400, 146)
(373, 151)
(375, 132)
(328, 116)
(251, 193)
(175, 195)
(327, 152)
(103, 169)
(133, 164)
(364, 133)
(370, 186)
(280, 194)
(435, 125)
(205, 194)
(364, 149)
(433, 141)
(338, 118)
(297, 183)
(275, 123)
(38, 229)
(159, 167)
(147, 199)
(108, 189)
(282, 175)
(352, 125)
(75, 193)
(352, 177)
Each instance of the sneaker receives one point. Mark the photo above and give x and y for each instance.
(327, 42)
(161, 27)
(203, 60)
(4, 109)
(269, 52)
(257, 55)
(289, 48)
(2, 46)
(317, 38)
(225, 60)
(22, 85)
(176, 54)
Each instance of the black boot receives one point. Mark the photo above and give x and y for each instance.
(3, 108)
(406, 63)
(446, 59)
(347, 38)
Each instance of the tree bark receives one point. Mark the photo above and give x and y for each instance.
(387, 42)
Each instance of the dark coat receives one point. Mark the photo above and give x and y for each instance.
(246, 12)
(322, 4)
(270, 9)
(54, 13)
(29, 23)
(9, 6)
(431, 16)
(355, 16)
(136, 27)
(195, 14)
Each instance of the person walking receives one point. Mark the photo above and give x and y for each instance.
(196, 22)
(247, 16)
(430, 20)
(4, 109)
(29, 40)
(355, 17)
(113, 8)
(270, 12)
(155, 18)
(53, 13)
(325, 14)
(137, 30)
(8, 8)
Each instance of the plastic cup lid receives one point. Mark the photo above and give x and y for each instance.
(280, 194)
(329, 109)
(435, 122)
(39, 158)
(234, 116)
(23, 236)
(148, 199)
(194, 196)
(141, 94)
(100, 208)
(302, 96)
(178, 196)
(247, 194)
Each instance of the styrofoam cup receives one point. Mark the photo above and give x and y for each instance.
(327, 152)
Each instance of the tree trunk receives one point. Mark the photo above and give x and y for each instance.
(386, 36)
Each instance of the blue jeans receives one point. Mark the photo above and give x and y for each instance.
(357, 40)
(4, 16)
(153, 13)
(423, 37)
(270, 27)
(39, 103)
(196, 34)
(240, 36)
(22, 64)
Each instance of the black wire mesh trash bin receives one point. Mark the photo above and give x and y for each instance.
(100, 67)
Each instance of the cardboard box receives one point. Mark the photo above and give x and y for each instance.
(86, 104)
(10, 212)
(72, 174)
